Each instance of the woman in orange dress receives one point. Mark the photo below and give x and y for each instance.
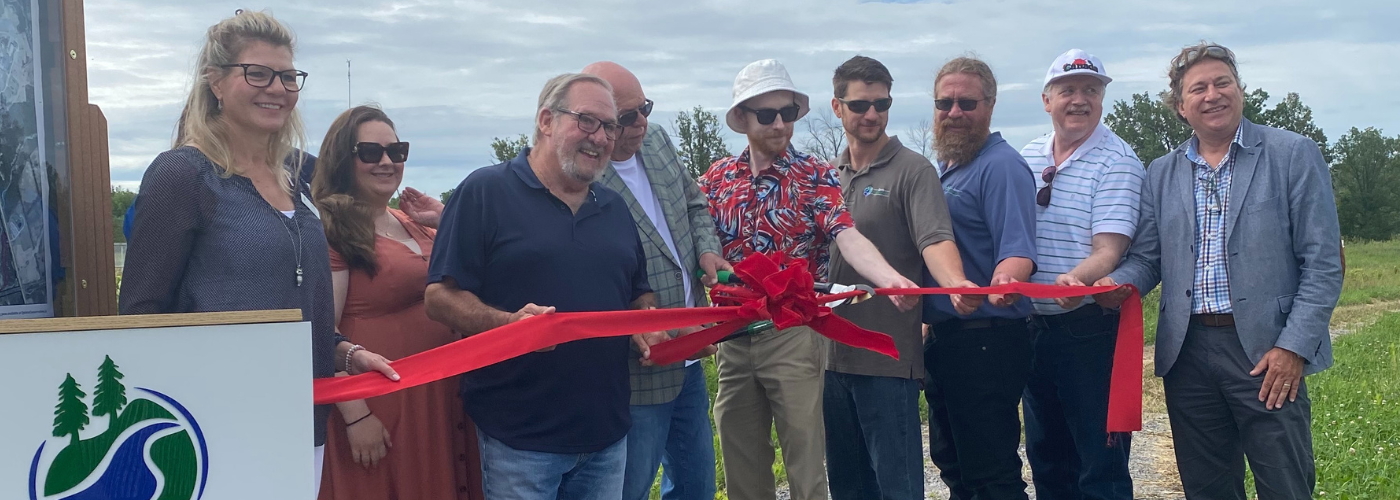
(415, 443)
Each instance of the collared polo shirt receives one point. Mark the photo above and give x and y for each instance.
(505, 238)
(1095, 190)
(992, 201)
(897, 202)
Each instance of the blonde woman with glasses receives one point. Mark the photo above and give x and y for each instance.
(221, 222)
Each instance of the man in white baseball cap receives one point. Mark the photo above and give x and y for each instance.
(778, 201)
(1089, 182)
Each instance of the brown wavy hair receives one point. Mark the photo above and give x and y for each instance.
(348, 220)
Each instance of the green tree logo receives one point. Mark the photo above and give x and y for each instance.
(71, 414)
(111, 394)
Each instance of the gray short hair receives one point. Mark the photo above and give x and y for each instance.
(1186, 59)
(971, 65)
(555, 94)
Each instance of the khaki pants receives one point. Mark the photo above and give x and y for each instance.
(766, 380)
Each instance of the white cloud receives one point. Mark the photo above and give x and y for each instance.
(455, 73)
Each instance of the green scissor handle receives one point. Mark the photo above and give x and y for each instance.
(724, 276)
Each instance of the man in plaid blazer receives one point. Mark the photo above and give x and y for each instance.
(670, 406)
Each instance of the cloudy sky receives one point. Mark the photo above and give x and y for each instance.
(455, 73)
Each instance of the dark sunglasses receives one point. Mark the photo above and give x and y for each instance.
(963, 104)
(1042, 197)
(630, 117)
(767, 115)
(371, 152)
(1214, 51)
(860, 107)
(261, 76)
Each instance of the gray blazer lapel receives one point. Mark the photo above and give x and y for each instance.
(614, 182)
(1246, 162)
(1183, 181)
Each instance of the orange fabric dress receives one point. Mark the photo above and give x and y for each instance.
(434, 453)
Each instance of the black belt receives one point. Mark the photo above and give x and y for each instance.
(955, 325)
(1089, 311)
(1216, 320)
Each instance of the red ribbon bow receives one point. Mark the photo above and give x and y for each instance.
(784, 295)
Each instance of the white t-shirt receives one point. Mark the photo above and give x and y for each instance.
(632, 174)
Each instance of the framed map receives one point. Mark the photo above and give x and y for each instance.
(26, 259)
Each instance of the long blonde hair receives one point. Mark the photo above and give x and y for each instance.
(200, 123)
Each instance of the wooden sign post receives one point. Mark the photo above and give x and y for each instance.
(56, 255)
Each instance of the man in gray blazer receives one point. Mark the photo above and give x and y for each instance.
(670, 407)
(1239, 225)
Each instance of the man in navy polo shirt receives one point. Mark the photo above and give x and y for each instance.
(531, 236)
(978, 364)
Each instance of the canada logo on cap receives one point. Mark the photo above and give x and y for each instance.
(1081, 64)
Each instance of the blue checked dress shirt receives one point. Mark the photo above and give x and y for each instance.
(1210, 290)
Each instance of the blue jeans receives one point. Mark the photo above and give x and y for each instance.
(676, 436)
(511, 474)
(1066, 409)
(873, 438)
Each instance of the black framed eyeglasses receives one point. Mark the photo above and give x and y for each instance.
(372, 152)
(590, 124)
(860, 107)
(261, 76)
(1215, 51)
(630, 117)
(963, 104)
(1042, 197)
(767, 115)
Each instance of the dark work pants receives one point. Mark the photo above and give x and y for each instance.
(974, 387)
(1066, 408)
(1217, 421)
(872, 437)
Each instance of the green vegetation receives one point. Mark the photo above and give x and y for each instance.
(1356, 415)
(1373, 273)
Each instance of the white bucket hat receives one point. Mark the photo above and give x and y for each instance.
(756, 79)
(1076, 62)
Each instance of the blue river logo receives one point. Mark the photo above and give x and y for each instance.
(151, 448)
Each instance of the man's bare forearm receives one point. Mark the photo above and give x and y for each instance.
(1107, 252)
(1018, 268)
(461, 310)
(944, 263)
(862, 255)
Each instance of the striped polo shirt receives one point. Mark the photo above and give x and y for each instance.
(1096, 190)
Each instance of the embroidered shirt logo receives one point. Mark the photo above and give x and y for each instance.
(874, 191)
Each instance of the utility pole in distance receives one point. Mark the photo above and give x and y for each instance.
(347, 84)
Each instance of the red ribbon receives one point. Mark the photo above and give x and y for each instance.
(782, 294)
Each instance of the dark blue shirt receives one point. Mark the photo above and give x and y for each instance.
(992, 202)
(505, 238)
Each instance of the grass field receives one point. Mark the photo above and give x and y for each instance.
(1356, 415)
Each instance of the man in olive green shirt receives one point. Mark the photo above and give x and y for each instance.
(871, 402)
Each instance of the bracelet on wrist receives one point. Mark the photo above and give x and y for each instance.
(349, 358)
(361, 419)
